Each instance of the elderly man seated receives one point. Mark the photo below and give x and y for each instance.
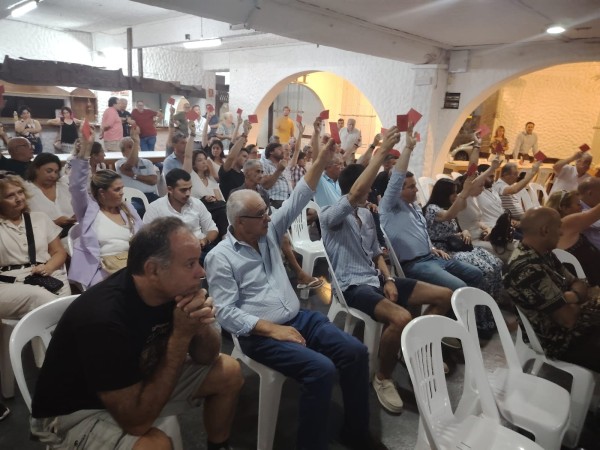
(138, 346)
(568, 177)
(256, 302)
(179, 203)
(508, 187)
(21, 152)
(563, 310)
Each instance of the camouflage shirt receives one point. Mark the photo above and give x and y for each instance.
(536, 284)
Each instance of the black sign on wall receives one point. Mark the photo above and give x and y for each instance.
(452, 100)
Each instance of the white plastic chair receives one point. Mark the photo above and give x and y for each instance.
(461, 429)
(373, 329)
(300, 238)
(41, 323)
(582, 380)
(7, 376)
(271, 383)
(73, 234)
(455, 175)
(425, 185)
(439, 176)
(524, 197)
(393, 257)
(534, 189)
(567, 258)
(129, 193)
(533, 404)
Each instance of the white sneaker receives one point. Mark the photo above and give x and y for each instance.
(388, 395)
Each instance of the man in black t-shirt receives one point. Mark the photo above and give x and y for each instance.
(125, 117)
(138, 346)
(21, 152)
(230, 173)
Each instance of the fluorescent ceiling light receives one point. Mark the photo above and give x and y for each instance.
(555, 29)
(24, 9)
(205, 43)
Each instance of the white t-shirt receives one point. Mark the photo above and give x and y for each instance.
(490, 205)
(567, 179)
(112, 237)
(199, 189)
(54, 209)
(194, 214)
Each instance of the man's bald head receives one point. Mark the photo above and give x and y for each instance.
(20, 149)
(589, 190)
(541, 228)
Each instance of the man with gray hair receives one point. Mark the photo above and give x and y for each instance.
(589, 191)
(139, 346)
(328, 189)
(568, 177)
(351, 139)
(508, 187)
(256, 302)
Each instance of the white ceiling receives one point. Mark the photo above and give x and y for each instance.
(412, 30)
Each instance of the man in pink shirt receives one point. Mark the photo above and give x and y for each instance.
(144, 118)
(112, 127)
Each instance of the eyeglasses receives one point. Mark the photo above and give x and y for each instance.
(261, 215)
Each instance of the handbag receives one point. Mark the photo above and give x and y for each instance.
(114, 263)
(47, 282)
(214, 206)
(455, 243)
(502, 233)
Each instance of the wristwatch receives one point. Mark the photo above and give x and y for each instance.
(390, 279)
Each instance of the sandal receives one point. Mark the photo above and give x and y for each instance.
(314, 283)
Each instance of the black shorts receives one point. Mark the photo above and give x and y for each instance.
(365, 298)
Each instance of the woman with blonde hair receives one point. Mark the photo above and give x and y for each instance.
(19, 291)
(574, 222)
(498, 143)
(107, 222)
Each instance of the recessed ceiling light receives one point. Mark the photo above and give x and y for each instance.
(555, 29)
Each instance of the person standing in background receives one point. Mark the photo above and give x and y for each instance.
(526, 143)
(144, 118)
(112, 128)
(284, 127)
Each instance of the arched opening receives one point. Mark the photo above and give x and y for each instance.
(562, 100)
(307, 94)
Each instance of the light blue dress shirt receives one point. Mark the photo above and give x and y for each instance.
(328, 192)
(171, 162)
(403, 222)
(247, 285)
(351, 248)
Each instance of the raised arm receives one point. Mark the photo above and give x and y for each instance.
(316, 137)
(580, 222)
(480, 180)
(189, 148)
(515, 188)
(459, 204)
(474, 158)
(558, 166)
(296, 149)
(366, 156)
(313, 175)
(205, 129)
(269, 180)
(237, 147)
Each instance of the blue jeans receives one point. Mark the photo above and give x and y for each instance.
(147, 143)
(327, 348)
(441, 272)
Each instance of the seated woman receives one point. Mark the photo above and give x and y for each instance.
(16, 297)
(107, 222)
(49, 193)
(574, 222)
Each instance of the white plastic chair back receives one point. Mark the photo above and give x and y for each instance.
(445, 429)
(455, 175)
(7, 377)
(567, 258)
(534, 189)
(439, 176)
(393, 257)
(129, 193)
(73, 234)
(38, 323)
(425, 185)
(525, 198)
(533, 404)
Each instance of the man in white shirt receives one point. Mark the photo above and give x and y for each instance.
(351, 140)
(199, 125)
(569, 177)
(508, 187)
(526, 143)
(179, 203)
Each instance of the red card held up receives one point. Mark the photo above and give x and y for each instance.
(539, 156)
(472, 169)
(335, 132)
(298, 118)
(414, 116)
(171, 101)
(324, 115)
(402, 122)
(253, 118)
(499, 148)
(584, 147)
(86, 130)
(240, 111)
(192, 115)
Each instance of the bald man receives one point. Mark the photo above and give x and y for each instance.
(20, 152)
(569, 177)
(563, 310)
(589, 190)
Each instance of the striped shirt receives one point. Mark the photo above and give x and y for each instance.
(281, 189)
(511, 202)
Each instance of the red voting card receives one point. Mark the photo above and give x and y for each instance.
(240, 111)
(335, 133)
(472, 169)
(171, 101)
(253, 118)
(324, 115)
(414, 116)
(402, 122)
(484, 130)
(499, 148)
(210, 108)
(539, 156)
(384, 131)
(418, 137)
(298, 118)
(582, 147)
(192, 115)
(395, 153)
(86, 130)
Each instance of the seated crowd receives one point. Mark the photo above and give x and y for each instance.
(143, 338)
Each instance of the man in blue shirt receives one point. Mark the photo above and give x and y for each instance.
(256, 302)
(328, 189)
(406, 227)
(351, 241)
